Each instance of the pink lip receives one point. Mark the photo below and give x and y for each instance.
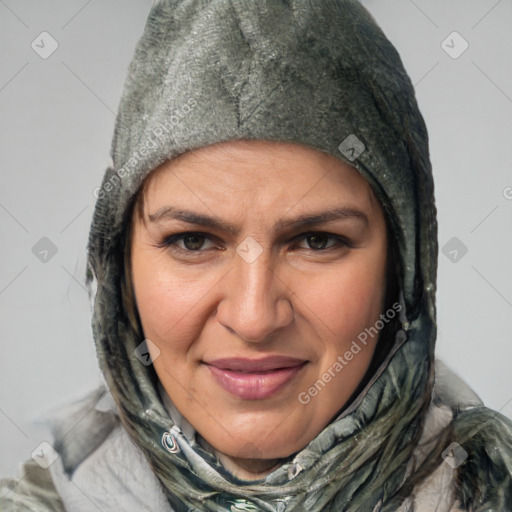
(255, 379)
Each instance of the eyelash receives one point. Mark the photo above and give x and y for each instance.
(170, 241)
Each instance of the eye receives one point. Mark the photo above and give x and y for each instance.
(192, 242)
(317, 241)
(196, 242)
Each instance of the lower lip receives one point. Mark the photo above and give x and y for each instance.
(254, 386)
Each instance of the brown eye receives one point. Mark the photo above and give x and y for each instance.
(317, 241)
(190, 242)
(320, 241)
(193, 242)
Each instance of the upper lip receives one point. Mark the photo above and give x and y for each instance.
(256, 365)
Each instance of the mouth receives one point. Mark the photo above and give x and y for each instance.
(255, 379)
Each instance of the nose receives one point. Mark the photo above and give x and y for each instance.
(256, 301)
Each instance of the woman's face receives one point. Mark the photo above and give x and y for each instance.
(254, 300)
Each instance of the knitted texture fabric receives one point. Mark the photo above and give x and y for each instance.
(321, 74)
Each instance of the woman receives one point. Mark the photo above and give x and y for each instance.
(263, 260)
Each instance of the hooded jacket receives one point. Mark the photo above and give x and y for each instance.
(321, 74)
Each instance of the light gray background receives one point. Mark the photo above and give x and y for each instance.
(56, 123)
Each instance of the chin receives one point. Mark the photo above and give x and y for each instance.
(270, 441)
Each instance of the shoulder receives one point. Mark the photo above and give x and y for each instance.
(115, 476)
(482, 445)
(465, 453)
(32, 489)
(475, 468)
(78, 429)
(96, 463)
(484, 438)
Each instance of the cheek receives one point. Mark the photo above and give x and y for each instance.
(348, 299)
(169, 306)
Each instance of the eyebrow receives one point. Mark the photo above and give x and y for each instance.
(343, 213)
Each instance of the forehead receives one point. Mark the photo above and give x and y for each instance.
(233, 165)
